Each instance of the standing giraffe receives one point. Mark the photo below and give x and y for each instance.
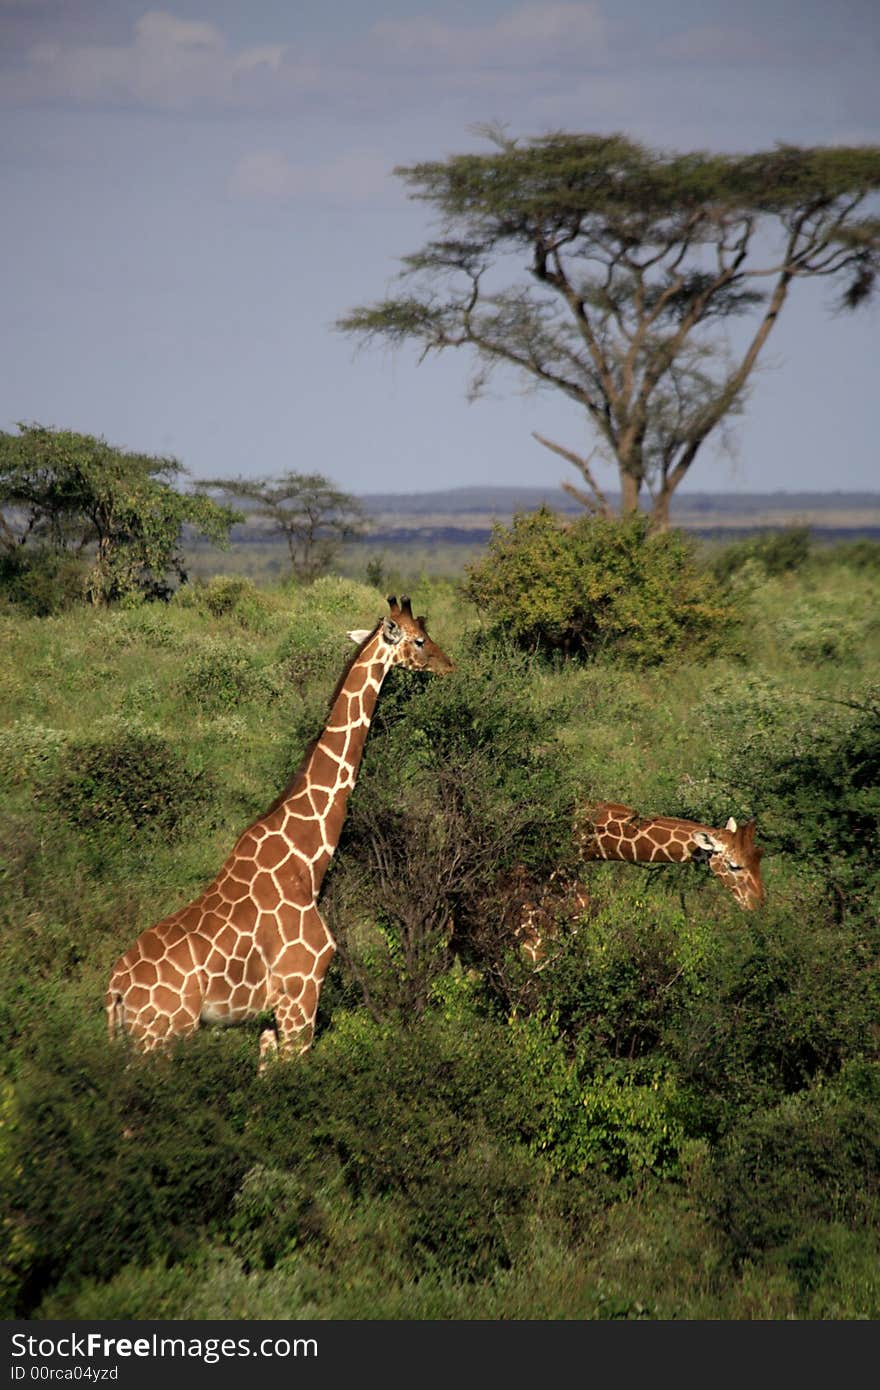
(254, 942)
(611, 831)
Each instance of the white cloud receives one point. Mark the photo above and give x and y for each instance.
(169, 64)
(172, 64)
(161, 30)
(525, 35)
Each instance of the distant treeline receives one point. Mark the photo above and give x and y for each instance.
(506, 500)
(459, 535)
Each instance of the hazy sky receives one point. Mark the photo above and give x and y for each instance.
(192, 195)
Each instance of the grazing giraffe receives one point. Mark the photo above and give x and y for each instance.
(607, 830)
(254, 941)
(610, 831)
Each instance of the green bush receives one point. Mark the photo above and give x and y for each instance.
(430, 1118)
(222, 675)
(595, 587)
(810, 1160)
(459, 780)
(228, 596)
(27, 749)
(128, 778)
(41, 581)
(809, 770)
(773, 553)
(102, 1163)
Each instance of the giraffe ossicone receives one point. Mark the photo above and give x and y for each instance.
(254, 942)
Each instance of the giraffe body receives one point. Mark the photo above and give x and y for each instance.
(254, 941)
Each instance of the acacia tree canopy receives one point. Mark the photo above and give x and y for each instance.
(310, 512)
(634, 257)
(67, 492)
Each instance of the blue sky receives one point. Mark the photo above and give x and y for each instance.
(193, 194)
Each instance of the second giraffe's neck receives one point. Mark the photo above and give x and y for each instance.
(620, 833)
(313, 808)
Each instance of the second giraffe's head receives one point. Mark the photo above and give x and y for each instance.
(734, 859)
(411, 646)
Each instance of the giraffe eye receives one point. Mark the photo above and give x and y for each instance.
(419, 641)
(735, 867)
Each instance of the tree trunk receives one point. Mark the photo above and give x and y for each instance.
(660, 510)
(629, 493)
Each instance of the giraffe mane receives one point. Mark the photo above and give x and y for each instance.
(296, 776)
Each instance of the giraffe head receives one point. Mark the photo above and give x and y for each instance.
(408, 637)
(734, 859)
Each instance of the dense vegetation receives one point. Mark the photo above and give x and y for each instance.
(678, 1115)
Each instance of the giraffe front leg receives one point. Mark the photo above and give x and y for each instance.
(295, 1021)
(295, 986)
(268, 1047)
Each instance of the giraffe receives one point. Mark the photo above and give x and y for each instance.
(543, 907)
(608, 830)
(254, 941)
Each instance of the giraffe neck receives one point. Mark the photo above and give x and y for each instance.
(310, 813)
(619, 833)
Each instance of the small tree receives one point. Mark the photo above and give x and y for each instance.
(312, 515)
(75, 494)
(635, 260)
(597, 585)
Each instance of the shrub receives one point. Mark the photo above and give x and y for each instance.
(460, 777)
(128, 778)
(810, 1159)
(429, 1117)
(810, 771)
(774, 553)
(597, 586)
(104, 1163)
(42, 581)
(222, 675)
(27, 748)
(814, 634)
(228, 596)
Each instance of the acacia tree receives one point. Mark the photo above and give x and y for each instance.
(74, 494)
(636, 260)
(312, 515)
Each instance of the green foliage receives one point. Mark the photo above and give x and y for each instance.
(773, 553)
(27, 749)
(220, 675)
(459, 780)
(427, 1121)
(596, 587)
(673, 1117)
(128, 779)
(808, 1162)
(65, 492)
(229, 596)
(41, 581)
(102, 1164)
(809, 769)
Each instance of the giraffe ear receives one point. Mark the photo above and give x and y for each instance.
(391, 631)
(359, 635)
(731, 825)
